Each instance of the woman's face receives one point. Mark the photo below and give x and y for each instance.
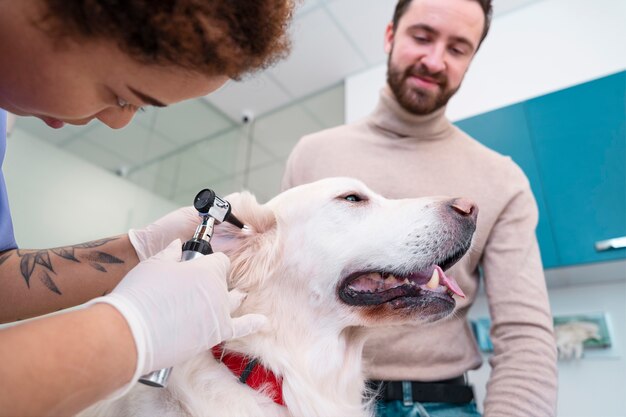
(76, 82)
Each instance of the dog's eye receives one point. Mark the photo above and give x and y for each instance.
(353, 197)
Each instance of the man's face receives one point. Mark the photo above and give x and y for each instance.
(430, 51)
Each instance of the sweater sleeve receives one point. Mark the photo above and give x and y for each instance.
(523, 379)
(288, 181)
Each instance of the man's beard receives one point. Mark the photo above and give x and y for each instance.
(417, 100)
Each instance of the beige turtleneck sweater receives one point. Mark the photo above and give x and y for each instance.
(400, 155)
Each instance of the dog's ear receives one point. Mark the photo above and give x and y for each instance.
(254, 250)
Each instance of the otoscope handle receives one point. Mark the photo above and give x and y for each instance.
(192, 249)
(211, 208)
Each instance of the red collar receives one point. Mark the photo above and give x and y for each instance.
(250, 372)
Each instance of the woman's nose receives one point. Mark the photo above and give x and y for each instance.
(116, 117)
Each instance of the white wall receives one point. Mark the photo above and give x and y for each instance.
(595, 385)
(544, 47)
(76, 201)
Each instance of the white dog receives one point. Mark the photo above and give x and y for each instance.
(323, 262)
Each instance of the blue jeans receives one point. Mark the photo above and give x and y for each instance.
(398, 409)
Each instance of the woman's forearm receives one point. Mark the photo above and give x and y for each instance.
(36, 282)
(79, 357)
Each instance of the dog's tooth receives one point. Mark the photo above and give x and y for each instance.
(434, 280)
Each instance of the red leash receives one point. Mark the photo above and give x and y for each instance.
(251, 373)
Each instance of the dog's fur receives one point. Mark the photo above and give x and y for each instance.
(301, 248)
(570, 338)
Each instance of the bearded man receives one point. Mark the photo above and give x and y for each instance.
(407, 148)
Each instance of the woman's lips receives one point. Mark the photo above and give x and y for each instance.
(53, 123)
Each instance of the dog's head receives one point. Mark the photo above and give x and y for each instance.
(342, 249)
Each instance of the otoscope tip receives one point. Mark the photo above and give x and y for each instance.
(234, 221)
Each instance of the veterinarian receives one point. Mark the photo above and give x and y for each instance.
(408, 148)
(71, 62)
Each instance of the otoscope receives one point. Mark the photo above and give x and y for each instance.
(211, 208)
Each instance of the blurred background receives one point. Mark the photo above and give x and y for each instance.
(175, 151)
(560, 62)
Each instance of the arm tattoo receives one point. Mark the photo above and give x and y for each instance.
(29, 261)
(47, 281)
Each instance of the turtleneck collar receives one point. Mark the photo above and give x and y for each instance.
(392, 118)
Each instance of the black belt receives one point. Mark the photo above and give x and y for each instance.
(453, 390)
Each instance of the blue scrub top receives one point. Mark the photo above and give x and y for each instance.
(7, 238)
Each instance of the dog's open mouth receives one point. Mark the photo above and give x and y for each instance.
(374, 288)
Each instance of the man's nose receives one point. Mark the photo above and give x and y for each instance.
(434, 60)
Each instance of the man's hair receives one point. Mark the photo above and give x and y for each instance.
(211, 37)
(402, 5)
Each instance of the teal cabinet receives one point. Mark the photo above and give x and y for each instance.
(579, 139)
(572, 146)
(506, 131)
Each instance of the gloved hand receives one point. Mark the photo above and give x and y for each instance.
(176, 310)
(179, 224)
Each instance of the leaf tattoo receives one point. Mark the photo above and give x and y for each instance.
(96, 258)
(102, 257)
(30, 260)
(43, 258)
(27, 266)
(67, 253)
(97, 266)
(47, 281)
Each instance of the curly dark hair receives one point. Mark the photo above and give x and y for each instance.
(212, 37)
(402, 5)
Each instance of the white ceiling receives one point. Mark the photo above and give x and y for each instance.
(332, 39)
(202, 143)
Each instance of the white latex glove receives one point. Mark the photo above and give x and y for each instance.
(176, 310)
(179, 224)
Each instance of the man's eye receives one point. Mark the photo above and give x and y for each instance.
(457, 51)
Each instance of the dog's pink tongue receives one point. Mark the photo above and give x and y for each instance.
(450, 283)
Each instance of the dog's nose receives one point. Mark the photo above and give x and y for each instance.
(464, 207)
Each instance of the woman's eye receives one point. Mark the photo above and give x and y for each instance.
(125, 105)
(353, 197)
